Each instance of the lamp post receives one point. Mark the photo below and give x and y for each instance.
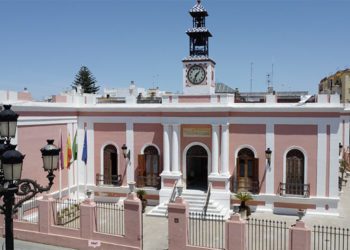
(268, 153)
(11, 162)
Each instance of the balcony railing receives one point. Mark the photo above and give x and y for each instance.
(294, 189)
(115, 180)
(252, 187)
(148, 181)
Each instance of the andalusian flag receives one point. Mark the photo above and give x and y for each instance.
(75, 147)
(68, 155)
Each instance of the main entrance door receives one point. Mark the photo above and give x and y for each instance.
(197, 168)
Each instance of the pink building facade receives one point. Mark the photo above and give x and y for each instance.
(222, 144)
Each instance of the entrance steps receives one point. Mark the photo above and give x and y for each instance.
(196, 202)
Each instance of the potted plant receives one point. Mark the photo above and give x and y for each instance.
(243, 207)
(141, 195)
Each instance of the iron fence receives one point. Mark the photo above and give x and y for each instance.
(66, 213)
(206, 230)
(330, 238)
(266, 234)
(28, 211)
(109, 218)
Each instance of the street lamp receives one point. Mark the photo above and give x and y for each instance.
(268, 153)
(11, 162)
(125, 151)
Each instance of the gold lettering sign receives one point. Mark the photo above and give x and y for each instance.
(196, 132)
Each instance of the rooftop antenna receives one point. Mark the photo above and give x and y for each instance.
(271, 81)
(251, 77)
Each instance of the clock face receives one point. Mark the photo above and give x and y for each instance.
(196, 74)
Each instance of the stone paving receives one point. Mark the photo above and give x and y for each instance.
(24, 245)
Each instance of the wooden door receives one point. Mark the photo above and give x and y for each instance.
(295, 174)
(247, 172)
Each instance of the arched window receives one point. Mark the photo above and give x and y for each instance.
(295, 172)
(110, 165)
(247, 171)
(148, 169)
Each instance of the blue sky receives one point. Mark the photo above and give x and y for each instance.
(44, 43)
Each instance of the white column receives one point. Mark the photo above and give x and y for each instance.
(130, 144)
(225, 149)
(215, 149)
(270, 143)
(175, 149)
(321, 159)
(166, 149)
(334, 159)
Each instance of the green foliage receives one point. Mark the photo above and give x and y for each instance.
(141, 193)
(86, 80)
(244, 196)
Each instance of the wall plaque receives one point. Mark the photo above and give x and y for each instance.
(196, 132)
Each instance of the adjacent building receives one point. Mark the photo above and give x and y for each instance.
(338, 83)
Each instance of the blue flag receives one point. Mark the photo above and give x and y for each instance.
(84, 155)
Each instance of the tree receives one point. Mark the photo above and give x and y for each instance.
(86, 80)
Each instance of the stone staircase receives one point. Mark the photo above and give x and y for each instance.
(196, 202)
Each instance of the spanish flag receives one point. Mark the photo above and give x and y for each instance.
(68, 155)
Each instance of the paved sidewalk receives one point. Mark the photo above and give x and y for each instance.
(25, 245)
(155, 232)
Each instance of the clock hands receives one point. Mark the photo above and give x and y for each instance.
(195, 76)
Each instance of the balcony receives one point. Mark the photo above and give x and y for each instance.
(294, 189)
(251, 186)
(115, 180)
(148, 181)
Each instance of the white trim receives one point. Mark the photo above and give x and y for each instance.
(130, 144)
(211, 120)
(334, 158)
(149, 144)
(184, 160)
(270, 169)
(305, 162)
(321, 159)
(245, 146)
(102, 156)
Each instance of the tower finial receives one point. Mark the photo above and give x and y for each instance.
(199, 1)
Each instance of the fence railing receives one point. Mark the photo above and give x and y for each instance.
(115, 180)
(109, 218)
(299, 189)
(66, 213)
(207, 199)
(266, 234)
(173, 193)
(206, 230)
(28, 211)
(330, 238)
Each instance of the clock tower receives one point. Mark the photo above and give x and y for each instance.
(198, 68)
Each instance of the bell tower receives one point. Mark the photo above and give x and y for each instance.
(198, 68)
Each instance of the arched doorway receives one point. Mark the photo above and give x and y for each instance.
(148, 174)
(197, 168)
(247, 171)
(110, 165)
(295, 172)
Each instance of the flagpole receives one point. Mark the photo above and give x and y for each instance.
(60, 173)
